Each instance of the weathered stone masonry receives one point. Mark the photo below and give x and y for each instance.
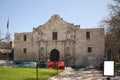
(62, 40)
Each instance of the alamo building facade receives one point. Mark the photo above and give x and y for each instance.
(58, 40)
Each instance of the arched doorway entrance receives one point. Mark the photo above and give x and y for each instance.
(54, 55)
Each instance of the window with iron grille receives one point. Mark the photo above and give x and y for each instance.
(89, 49)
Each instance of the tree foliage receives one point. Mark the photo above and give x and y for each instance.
(112, 25)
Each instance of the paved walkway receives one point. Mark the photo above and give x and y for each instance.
(70, 74)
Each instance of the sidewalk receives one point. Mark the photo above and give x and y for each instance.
(70, 74)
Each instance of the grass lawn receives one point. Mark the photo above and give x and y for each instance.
(117, 68)
(26, 73)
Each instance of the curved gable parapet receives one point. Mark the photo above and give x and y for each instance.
(56, 23)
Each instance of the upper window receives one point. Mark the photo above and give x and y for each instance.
(87, 35)
(54, 35)
(25, 37)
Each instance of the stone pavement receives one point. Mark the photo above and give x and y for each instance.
(81, 74)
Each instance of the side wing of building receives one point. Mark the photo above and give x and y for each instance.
(23, 47)
(90, 47)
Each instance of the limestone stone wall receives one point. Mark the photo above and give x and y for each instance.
(20, 44)
(96, 42)
(71, 43)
